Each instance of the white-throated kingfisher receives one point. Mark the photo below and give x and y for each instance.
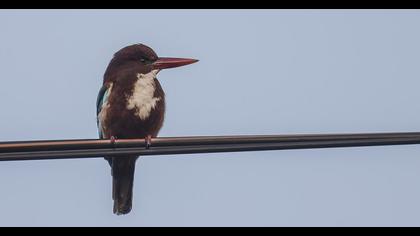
(131, 104)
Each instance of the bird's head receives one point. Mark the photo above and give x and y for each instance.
(142, 59)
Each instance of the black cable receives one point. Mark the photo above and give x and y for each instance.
(204, 148)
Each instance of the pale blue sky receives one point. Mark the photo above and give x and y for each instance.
(260, 72)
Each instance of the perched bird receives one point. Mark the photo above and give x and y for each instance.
(131, 104)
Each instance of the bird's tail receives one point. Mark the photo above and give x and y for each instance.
(122, 183)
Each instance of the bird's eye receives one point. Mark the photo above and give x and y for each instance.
(143, 60)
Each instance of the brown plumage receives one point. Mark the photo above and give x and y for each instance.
(124, 123)
(119, 118)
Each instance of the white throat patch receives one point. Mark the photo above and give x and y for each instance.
(142, 97)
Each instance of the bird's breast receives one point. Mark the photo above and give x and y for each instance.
(144, 97)
(135, 107)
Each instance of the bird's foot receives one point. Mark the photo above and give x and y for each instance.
(148, 141)
(113, 139)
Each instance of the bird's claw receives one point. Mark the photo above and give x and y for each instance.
(148, 141)
(113, 139)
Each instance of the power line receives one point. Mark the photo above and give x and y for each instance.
(90, 148)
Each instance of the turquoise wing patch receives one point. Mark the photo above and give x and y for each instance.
(100, 101)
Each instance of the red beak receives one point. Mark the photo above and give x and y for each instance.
(171, 62)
